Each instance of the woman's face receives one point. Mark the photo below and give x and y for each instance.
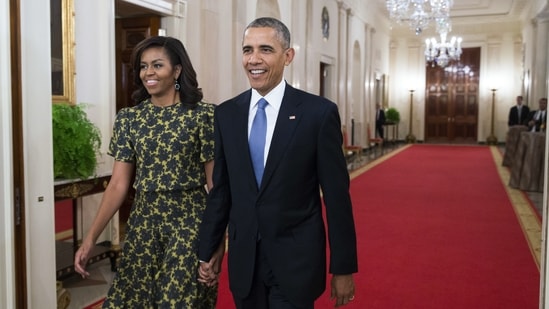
(157, 73)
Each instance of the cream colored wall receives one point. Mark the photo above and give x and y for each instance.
(38, 153)
(7, 275)
(96, 87)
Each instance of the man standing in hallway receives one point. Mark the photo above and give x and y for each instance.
(538, 119)
(380, 120)
(276, 147)
(518, 114)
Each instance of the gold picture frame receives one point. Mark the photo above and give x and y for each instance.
(62, 51)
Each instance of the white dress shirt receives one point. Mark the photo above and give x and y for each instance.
(271, 110)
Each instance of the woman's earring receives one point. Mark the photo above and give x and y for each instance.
(177, 85)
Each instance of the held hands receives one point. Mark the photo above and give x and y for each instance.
(208, 272)
(343, 289)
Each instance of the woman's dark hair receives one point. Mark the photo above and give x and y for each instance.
(189, 93)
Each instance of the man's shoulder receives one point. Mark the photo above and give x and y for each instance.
(306, 96)
(238, 99)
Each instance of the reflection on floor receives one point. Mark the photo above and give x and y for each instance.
(86, 292)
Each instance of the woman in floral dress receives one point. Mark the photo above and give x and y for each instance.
(167, 139)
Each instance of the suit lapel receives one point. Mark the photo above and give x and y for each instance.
(289, 117)
(241, 128)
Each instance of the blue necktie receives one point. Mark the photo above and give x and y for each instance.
(257, 140)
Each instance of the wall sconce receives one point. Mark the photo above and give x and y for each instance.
(410, 138)
(492, 139)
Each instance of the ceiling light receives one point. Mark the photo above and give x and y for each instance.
(419, 13)
(443, 52)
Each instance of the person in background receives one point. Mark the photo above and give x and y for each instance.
(380, 120)
(537, 121)
(518, 114)
(276, 148)
(167, 139)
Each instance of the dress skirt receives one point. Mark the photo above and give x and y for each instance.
(159, 263)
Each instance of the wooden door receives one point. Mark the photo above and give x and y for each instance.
(451, 94)
(129, 32)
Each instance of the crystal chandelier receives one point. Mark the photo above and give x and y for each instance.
(441, 53)
(419, 13)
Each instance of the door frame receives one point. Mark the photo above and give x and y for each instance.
(18, 190)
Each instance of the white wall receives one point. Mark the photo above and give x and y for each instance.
(7, 292)
(96, 87)
(38, 153)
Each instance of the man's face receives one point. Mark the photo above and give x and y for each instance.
(542, 105)
(519, 101)
(264, 58)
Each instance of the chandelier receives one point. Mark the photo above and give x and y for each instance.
(419, 13)
(441, 53)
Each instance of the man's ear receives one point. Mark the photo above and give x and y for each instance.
(290, 53)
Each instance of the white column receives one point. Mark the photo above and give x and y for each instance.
(342, 63)
(368, 74)
(539, 68)
(176, 24)
(296, 73)
(540, 79)
(38, 154)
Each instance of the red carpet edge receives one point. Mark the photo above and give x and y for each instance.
(527, 217)
(376, 162)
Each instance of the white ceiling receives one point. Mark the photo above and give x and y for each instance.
(483, 11)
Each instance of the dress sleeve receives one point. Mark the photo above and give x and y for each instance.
(121, 147)
(206, 133)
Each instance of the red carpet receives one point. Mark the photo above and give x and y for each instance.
(436, 229)
(95, 305)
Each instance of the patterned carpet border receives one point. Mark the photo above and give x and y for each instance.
(528, 219)
(376, 162)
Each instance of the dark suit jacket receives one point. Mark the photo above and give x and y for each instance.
(380, 121)
(540, 124)
(305, 156)
(513, 116)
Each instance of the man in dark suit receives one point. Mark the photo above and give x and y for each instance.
(276, 233)
(518, 114)
(380, 120)
(537, 120)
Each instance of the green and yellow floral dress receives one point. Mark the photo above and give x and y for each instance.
(159, 263)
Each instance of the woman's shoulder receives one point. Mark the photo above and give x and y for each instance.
(131, 111)
(205, 107)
